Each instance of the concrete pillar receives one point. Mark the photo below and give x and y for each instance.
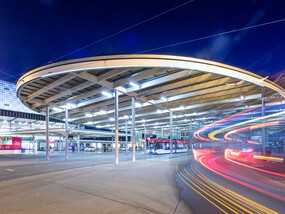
(170, 126)
(127, 146)
(116, 127)
(162, 132)
(47, 132)
(66, 133)
(133, 129)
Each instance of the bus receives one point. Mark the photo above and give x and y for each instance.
(162, 146)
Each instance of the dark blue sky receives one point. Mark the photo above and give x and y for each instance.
(34, 32)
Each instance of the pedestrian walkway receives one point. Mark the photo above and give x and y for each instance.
(95, 186)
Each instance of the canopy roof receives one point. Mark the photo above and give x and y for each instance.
(192, 88)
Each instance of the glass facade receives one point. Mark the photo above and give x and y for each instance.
(9, 100)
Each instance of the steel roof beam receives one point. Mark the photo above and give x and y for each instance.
(54, 84)
(180, 84)
(69, 91)
(195, 106)
(140, 76)
(112, 73)
(192, 88)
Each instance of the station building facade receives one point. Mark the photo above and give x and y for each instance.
(14, 116)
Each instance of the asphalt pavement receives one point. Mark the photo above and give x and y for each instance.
(224, 187)
(90, 182)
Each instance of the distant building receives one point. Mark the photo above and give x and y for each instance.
(9, 100)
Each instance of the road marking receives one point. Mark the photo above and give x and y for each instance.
(218, 195)
(10, 170)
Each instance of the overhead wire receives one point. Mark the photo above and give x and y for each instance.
(211, 36)
(11, 76)
(121, 31)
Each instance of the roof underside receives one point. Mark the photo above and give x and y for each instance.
(189, 93)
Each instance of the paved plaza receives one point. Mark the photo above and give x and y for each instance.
(90, 183)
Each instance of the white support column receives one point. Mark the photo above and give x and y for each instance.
(57, 145)
(116, 127)
(127, 149)
(190, 137)
(78, 139)
(66, 133)
(145, 149)
(60, 144)
(162, 132)
(78, 142)
(33, 142)
(112, 143)
(47, 132)
(133, 129)
(263, 130)
(170, 126)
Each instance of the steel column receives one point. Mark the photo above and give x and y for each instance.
(145, 138)
(189, 141)
(162, 132)
(133, 129)
(263, 134)
(116, 127)
(60, 145)
(34, 141)
(78, 139)
(78, 142)
(127, 137)
(56, 145)
(66, 133)
(47, 132)
(170, 126)
(112, 144)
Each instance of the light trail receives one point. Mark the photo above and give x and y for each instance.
(183, 178)
(272, 123)
(241, 182)
(197, 132)
(218, 195)
(223, 120)
(255, 168)
(245, 201)
(224, 199)
(212, 134)
(262, 157)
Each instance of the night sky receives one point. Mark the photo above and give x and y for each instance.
(36, 32)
